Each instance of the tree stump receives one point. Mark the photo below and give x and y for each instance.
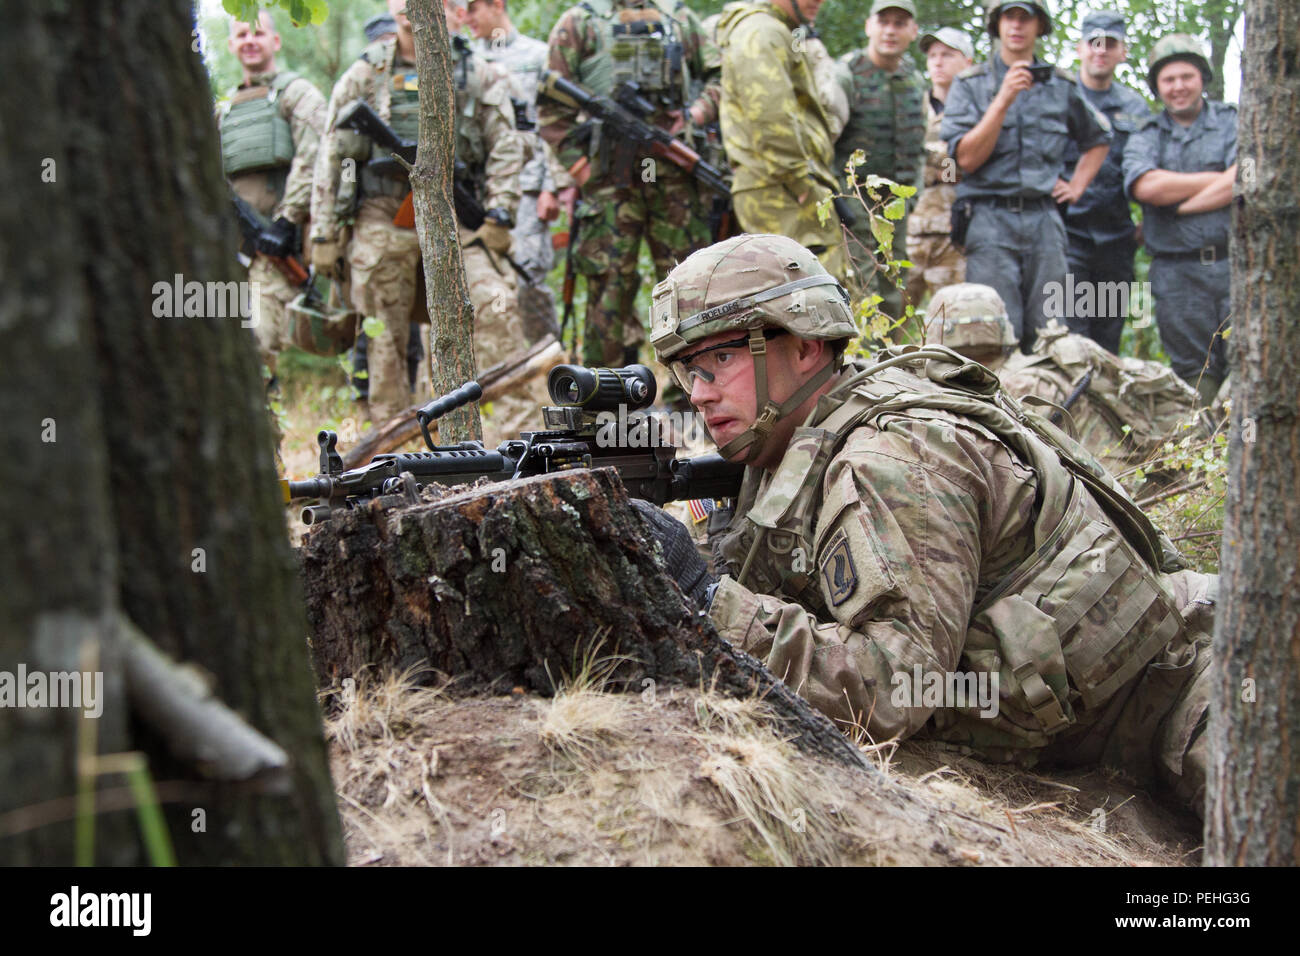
(516, 584)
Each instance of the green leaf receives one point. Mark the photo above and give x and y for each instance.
(883, 230)
(244, 11)
(824, 209)
(901, 191)
(895, 209)
(373, 327)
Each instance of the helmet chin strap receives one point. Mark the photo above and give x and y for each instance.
(755, 436)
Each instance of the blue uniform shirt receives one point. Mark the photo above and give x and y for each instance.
(1208, 145)
(1029, 154)
(1102, 212)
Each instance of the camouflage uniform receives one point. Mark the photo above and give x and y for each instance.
(1016, 238)
(384, 258)
(920, 519)
(597, 45)
(777, 131)
(526, 58)
(885, 122)
(936, 261)
(1190, 275)
(1126, 408)
(275, 184)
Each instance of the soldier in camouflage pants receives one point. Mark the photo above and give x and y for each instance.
(885, 530)
(627, 197)
(384, 257)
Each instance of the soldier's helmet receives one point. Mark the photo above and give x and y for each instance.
(993, 11)
(757, 285)
(747, 282)
(1177, 46)
(971, 319)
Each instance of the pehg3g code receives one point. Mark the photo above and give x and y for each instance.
(103, 909)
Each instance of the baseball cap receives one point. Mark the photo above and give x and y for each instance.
(905, 5)
(950, 36)
(1030, 8)
(1104, 23)
(378, 25)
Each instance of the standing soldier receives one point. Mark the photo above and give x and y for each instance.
(384, 256)
(886, 123)
(1180, 166)
(775, 129)
(600, 45)
(269, 134)
(498, 41)
(1007, 123)
(1102, 238)
(936, 262)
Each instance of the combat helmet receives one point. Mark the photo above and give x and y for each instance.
(993, 10)
(970, 318)
(1177, 46)
(752, 284)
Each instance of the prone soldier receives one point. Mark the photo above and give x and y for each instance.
(907, 518)
(270, 130)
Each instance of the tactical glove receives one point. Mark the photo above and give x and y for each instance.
(680, 558)
(325, 256)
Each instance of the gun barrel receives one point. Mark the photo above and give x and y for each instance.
(708, 476)
(361, 118)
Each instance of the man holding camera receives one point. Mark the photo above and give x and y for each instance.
(1007, 123)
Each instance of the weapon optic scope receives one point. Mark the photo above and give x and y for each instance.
(602, 389)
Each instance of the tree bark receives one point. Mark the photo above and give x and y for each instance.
(451, 316)
(138, 451)
(1253, 800)
(517, 584)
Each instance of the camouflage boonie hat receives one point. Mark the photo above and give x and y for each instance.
(993, 10)
(747, 282)
(969, 318)
(1177, 46)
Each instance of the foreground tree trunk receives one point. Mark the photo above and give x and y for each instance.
(138, 461)
(1253, 804)
(451, 316)
(522, 583)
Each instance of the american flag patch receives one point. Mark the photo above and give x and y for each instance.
(700, 508)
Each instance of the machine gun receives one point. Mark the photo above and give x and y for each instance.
(626, 118)
(596, 422)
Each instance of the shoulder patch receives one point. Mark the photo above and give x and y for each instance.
(839, 577)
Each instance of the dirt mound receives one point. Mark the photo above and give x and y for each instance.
(676, 776)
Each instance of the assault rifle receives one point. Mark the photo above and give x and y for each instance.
(278, 241)
(626, 118)
(593, 424)
(360, 118)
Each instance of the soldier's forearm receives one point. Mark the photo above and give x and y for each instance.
(1088, 165)
(1214, 196)
(1160, 187)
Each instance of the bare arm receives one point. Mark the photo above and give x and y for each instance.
(1214, 196)
(1160, 187)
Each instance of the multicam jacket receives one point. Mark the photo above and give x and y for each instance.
(485, 130)
(922, 519)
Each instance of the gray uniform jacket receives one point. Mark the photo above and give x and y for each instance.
(1102, 213)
